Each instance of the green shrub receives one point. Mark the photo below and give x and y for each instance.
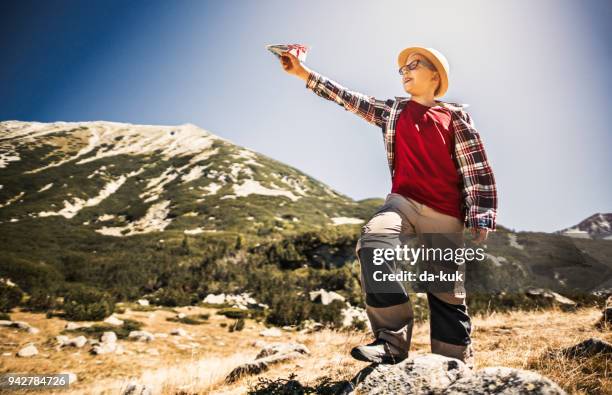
(234, 312)
(171, 297)
(42, 300)
(97, 330)
(10, 296)
(83, 303)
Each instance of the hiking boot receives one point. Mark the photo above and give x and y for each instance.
(379, 351)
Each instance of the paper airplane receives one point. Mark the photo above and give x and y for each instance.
(300, 51)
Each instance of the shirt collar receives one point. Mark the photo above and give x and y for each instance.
(449, 105)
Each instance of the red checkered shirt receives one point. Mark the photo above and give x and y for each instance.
(479, 203)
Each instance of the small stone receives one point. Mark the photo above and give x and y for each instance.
(108, 337)
(143, 302)
(271, 332)
(112, 320)
(27, 351)
(178, 332)
(141, 336)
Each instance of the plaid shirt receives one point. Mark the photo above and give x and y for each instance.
(479, 203)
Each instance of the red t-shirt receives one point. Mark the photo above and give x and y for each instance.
(424, 168)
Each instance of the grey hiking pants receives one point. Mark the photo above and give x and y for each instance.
(391, 315)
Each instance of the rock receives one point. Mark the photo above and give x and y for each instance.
(282, 348)
(142, 336)
(78, 341)
(180, 316)
(143, 302)
(243, 301)
(108, 337)
(65, 341)
(351, 314)
(178, 332)
(104, 348)
(311, 326)
(259, 365)
(28, 351)
(112, 320)
(421, 374)
(549, 298)
(502, 380)
(588, 348)
(137, 389)
(271, 332)
(437, 374)
(259, 343)
(324, 297)
(21, 325)
(73, 325)
(214, 299)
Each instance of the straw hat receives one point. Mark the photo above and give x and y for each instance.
(436, 58)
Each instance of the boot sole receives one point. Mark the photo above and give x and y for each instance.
(384, 359)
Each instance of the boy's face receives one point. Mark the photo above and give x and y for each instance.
(422, 79)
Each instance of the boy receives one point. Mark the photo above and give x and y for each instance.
(441, 183)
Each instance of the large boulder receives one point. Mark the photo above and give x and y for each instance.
(282, 348)
(588, 348)
(269, 355)
(422, 374)
(437, 374)
(506, 381)
(546, 297)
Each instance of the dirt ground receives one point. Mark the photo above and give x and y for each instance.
(199, 362)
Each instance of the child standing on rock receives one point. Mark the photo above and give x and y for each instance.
(441, 183)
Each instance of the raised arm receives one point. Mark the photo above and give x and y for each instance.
(367, 107)
(479, 189)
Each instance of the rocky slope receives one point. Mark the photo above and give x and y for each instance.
(597, 226)
(120, 179)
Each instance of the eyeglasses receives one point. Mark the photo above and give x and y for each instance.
(414, 64)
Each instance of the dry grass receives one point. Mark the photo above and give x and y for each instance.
(516, 339)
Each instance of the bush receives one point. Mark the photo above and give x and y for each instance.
(10, 295)
(41, 300)
(97, 330)
(171, 297)
(83, 303)
(234, 312)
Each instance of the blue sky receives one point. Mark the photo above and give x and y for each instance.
(536, 76)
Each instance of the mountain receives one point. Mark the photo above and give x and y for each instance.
(135, 209)
(120, 179)
(597, 226)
